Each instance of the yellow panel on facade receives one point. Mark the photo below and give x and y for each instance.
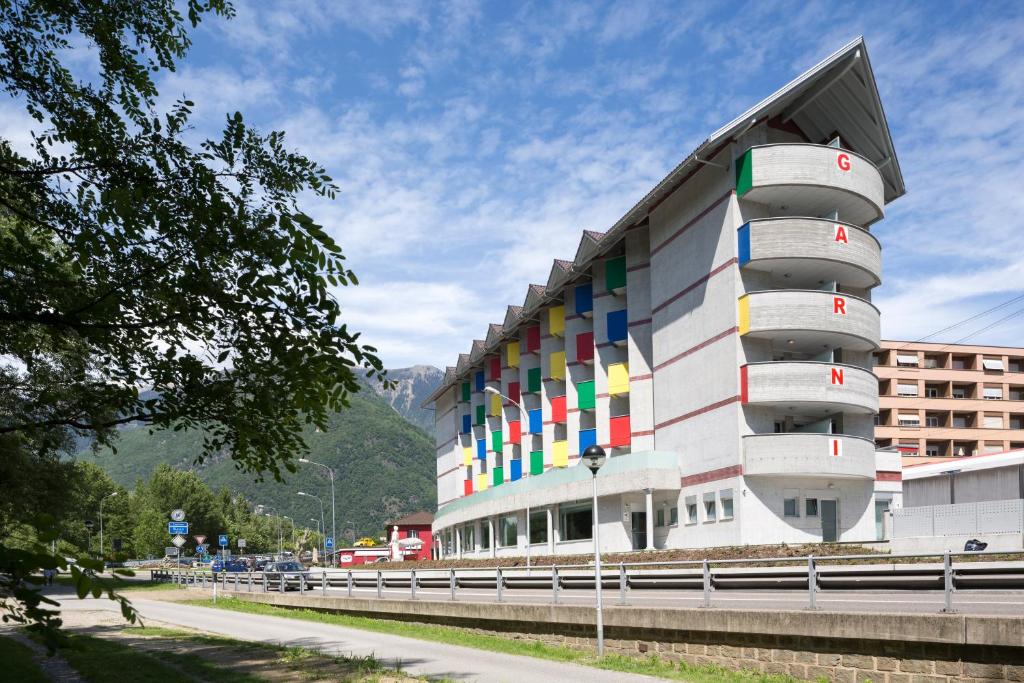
(512, 354)
(467, 456)
(560, 453)
(495, 404)
(481, 483)
(558, 365)
(744, 314)
(556, 321)
(618, 379)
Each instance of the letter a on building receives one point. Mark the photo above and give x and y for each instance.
(841, 234)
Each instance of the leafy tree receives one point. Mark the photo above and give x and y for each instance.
(168, 490)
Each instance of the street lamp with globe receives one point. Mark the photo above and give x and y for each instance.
(594, 457)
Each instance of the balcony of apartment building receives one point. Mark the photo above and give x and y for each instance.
(811, 180)
(809, 320)
(808, 441)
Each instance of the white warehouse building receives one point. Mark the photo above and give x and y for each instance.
(716, 341)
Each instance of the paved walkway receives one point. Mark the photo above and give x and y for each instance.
(54, 667)
(418, 657)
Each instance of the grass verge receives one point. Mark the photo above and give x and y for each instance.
(119, 584)
(652, 665)
(19, 663)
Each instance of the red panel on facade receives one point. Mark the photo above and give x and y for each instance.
(743, 384)
(515, 431)
(585, 347)
(619, 431)
(558, 409)
(467, 487)
(533, 339)
(513, 391)
(496, 368)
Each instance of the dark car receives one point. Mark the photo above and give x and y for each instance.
(232, 565)
(291, 570)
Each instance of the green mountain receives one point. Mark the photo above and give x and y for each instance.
(411, 386)
(384, 468)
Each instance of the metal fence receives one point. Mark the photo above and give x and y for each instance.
(810, 574)
(960, 519)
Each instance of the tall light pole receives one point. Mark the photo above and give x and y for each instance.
(523, 415)
(280, 542)
(322, 524)
(103, 500)
(334, 529)
(292, 522)
(593, 457)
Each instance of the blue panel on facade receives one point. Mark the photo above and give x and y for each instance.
(584, 299)
(478, 379)
(743, 244)
(466, 424)
(588, 437)
(536, 421)
(481, 449)
(617, 325)
(517, 469)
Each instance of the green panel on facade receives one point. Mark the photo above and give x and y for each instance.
(496, 441)
(479, 415)
(585, 398)
(615, 273)
(498, 476)
(533, 380)
(536, 462)
(744, 173)
(465, 391)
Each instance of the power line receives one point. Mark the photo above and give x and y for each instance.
(964, 322)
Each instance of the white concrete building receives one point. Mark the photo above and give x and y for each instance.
(716, 340)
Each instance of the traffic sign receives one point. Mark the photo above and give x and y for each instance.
(178, 541)
(328, 542)
(200, 539)
(241, 543)
(170, 550)
(200, 550)
(177, 527)
(222, 540)
(88, 524)
(178, 515)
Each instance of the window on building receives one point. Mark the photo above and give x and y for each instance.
(993, 448)
(931, 450)
(691, 510)
(508, 531)
(1016, 394)
(673, 516)
(960, 421)
(959, 392)
(909, 420)
(576, 522)
(992, 364)
(485, 535)
(538, 527)
(931, 420)
(878, 419)
(931, 392)
(660, 517)
(906, 389)
(411, 534)
(709, 509)
(959, 364)
(993, 422)
(1016, 422)
(725, 496)
(906, 360)
(789, 508)
(1016, 365)
(993, 393)
(930, 362)
(469, 538)
(811, 507)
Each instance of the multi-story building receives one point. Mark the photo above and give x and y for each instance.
(716, 340)
(949, 400)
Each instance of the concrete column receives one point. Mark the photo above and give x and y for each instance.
(490, 534)
(477, 536)
(649, 501)
(551, 530)
(458, 542)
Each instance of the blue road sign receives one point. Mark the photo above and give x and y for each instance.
(177, 528)
(201, 549)
(329, 542)
(223, 540)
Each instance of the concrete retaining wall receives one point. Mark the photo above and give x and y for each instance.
(805, 644)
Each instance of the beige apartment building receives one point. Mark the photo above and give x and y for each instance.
(949, 400)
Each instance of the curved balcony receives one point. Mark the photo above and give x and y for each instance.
(811, 180)
(806, 251)
(798, 454)
(808, 386)
(806, 320)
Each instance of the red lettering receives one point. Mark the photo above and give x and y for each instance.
(841, 235)
(837, 375)
(843, 161)
(839, 305)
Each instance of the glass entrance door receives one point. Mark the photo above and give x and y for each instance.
(829, 521)
(639, 527)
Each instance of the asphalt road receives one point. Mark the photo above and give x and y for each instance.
(979, 602)
(418, 657)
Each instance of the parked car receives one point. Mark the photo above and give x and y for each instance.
(232, 565)
(289, 569)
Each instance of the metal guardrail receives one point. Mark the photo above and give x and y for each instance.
(809, 573)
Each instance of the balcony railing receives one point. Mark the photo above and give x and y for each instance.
(803, 320)
(797, 454)
(810, 386)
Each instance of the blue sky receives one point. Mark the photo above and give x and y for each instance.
(473, 142)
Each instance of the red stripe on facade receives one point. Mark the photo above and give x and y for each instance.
(888, 476)
(649, 432)
(743, 385)
(693, 221)
(641, 378)
(638, 323)
(454, 469)
(694, 349)
(699, 411)
(689, 288)
(713, 475)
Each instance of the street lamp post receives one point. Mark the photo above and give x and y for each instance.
(334, 529)
(322, 524)
(103, 500)
(523, 415)
(292, 522)
(593, 457)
